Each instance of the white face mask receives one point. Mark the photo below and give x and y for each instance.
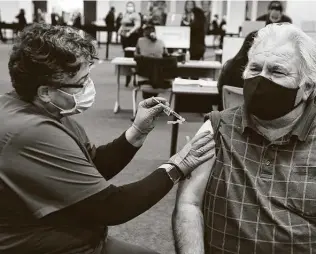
(82, 100)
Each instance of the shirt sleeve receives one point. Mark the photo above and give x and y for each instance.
(48, 171)
(110, 160)
(137, 18)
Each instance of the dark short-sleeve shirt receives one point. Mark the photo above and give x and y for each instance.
(261, 195)
(146, 47)
(44, 167)
(265, 17)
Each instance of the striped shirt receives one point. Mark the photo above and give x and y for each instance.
(261, 195)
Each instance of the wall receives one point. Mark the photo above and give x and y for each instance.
(301, 11)
(9, 9)
(236, 11)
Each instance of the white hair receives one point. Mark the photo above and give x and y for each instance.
(304, 44)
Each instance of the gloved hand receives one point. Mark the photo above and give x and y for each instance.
(194, 153)
(147, 112)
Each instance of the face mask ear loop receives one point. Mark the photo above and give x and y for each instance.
(66, 111)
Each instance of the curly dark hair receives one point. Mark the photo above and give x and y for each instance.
(45, 54)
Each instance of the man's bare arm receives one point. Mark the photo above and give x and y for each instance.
(187, 221)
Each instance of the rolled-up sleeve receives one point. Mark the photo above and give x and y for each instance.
(48, 171)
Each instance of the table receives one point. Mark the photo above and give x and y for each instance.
(124, 66)
(189, 91)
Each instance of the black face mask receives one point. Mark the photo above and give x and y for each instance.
(266, 99)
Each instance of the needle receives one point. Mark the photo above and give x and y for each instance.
(170, 110)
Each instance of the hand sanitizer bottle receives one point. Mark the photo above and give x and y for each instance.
(187, 56)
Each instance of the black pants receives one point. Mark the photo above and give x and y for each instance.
(197, 52)
(130, 41)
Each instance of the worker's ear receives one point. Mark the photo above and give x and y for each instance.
(43, 93)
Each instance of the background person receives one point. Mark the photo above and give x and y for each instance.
(110, 24)
(222, 31)
(215, 31)
(55, 197)
(118, 24)
(158, 13)
(77, 20)
(188, 15)
(275, 14)
(150, 46)
(54, 18)
(21, 20)
(197, 35)
(233, 69)
(130, 24)
(206, 7)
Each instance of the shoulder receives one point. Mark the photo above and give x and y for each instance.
(262, 18)
(46, 135)
(286, 18)
(76, 128)
(227, 65)
(135, 15)
(160, 42)
(231, 115)
(207, 126)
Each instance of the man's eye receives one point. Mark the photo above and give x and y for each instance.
(279, 73)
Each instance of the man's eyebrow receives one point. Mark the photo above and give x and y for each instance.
(254, 65)
(279, 68)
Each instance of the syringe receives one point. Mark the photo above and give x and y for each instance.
(170, 111)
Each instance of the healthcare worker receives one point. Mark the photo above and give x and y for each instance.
(54, 191)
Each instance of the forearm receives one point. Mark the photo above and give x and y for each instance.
(117, 205)
(112, 158)
(188, 229)
(133, 199)
(135, 28)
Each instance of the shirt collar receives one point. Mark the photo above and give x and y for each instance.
(300, 130)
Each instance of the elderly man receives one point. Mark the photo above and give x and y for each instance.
(259, 194)
(55, 197)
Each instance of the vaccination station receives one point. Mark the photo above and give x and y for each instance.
(157, 127)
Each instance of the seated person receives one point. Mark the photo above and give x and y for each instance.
(275, 14)
(151, 46)
(231, 74)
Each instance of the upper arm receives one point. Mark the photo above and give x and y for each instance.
(48, 171)
(207, 126)
(192, 190)
(137, 19)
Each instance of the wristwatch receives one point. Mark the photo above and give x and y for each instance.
(173, 172)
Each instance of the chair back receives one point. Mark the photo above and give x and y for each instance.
(157, 70)
(232, 96)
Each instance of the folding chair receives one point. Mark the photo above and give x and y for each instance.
(232, 96)
(158, 74)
